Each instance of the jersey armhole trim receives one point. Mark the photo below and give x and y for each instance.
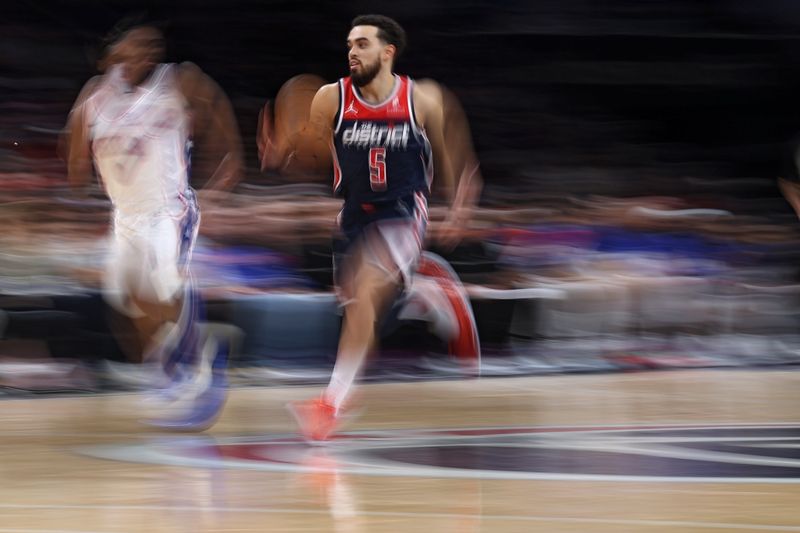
(340, 111)
(415, 126)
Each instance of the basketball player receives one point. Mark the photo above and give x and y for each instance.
(384, 130)
(134, 125)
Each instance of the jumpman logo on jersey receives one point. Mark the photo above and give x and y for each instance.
(351, 108)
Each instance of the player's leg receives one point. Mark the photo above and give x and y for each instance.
(195, 360)
(373, 274)
(131, 326)
(373, 290)
(165, 328)
(438, 283)
(162, 287)
(147, 279)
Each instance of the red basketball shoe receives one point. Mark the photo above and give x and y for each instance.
(465, 345)
(316, 418)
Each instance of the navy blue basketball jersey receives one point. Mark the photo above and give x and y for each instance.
(380, 153)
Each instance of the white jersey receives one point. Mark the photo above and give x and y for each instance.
(139, 139)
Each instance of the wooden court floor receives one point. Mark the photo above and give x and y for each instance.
(684, 451)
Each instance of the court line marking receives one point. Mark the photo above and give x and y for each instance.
(28, 530)
(375, 467)
(732, 492)
(147, 433)
(402, 514)
(158, 451)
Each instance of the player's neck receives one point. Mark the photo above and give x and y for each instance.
(145, 78)
(379, 89)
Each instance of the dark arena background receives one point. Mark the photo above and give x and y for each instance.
(631, 266)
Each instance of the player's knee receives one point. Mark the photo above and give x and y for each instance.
(166, 286)
(123, 303)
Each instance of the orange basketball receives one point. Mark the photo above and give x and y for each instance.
(293, 103)
(281, 124)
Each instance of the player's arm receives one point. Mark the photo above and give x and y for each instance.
(215, 123)
(312, 145)
(466, 168)
(462, 191)
(791, 191)
(76, 142)
(789, 186)
(429, 111)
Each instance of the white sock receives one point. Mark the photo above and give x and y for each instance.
(343, 378)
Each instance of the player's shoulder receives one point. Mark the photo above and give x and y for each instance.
(189, 68)
(93, 82)
(428, 90)
(89, 89)
(194, 83)
(188, 72)
(328, 90)
(428, 100)
(327, 96)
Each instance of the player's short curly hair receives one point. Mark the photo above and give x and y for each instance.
(389, 31)
(129, 22)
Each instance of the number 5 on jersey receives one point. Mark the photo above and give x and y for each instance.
(377, 169)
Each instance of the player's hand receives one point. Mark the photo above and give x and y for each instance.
(452, 229)
(209, 199)
(265, 140)
(791, 191)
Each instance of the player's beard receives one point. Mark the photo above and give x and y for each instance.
(366, 74)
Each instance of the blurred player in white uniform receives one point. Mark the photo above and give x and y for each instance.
(135, 125)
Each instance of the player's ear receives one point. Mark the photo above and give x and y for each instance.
(389, 52)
